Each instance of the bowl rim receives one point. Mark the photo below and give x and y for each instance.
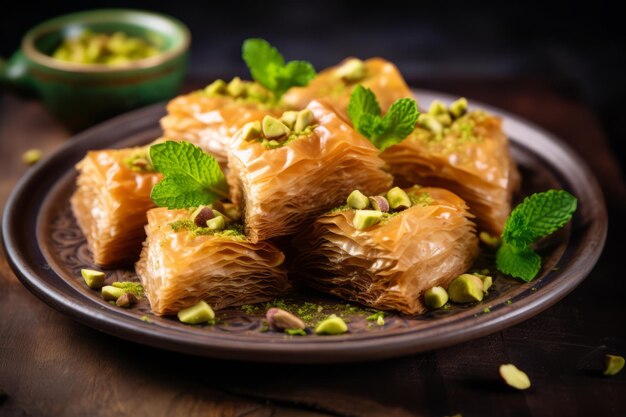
(56, 23)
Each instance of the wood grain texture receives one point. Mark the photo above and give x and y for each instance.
(50, 365)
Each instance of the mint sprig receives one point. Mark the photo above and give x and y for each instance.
(268, 67)
(538, 216)
(192, 177)
(383, 131)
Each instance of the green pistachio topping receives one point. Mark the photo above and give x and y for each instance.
(201, 215)
(199, 313)
(216, 88)
(379, 203)
(490, 241)
(280, 319)
(614, 364)
(251, 130)
(126, 300)
(289, 118)
(236, 88)
(458, 108)
(93, 279)
(398, 199)
(333, 325)
(430, 122)
(132, 287)
(274, 128)
(514, 377)
(435, 297)
(444, 119)
(437, 107)
(216, 223)
(352, 70)
(304, 119)
(366, 218)
(31, 156)
(111, 293)
(357, 200)
(487, 281)
(466, 288)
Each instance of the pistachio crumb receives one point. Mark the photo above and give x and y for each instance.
(514, 377)
(32, 156)
(614, 364)
(146, 319)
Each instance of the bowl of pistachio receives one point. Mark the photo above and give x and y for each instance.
(89, 66)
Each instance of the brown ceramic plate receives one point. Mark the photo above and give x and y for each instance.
(47, 250)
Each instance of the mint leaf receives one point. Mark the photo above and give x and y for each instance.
(521, 263)
(362, 102)
(268, 68)
(192, 177)
(538, 216)
(365, 114)
(400, 119)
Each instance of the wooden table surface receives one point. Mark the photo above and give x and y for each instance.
(52, 366)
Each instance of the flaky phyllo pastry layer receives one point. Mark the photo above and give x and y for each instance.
(110, 204)
(281, 189)
(471, 159)
(389, 265)
(179, 267)
(210, 121)
(379, 75)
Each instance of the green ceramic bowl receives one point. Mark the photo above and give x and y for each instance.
(83, 94)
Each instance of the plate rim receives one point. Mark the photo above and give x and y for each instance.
(336, 349)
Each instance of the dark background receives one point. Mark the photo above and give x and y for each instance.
(547, 62)
(580, 50)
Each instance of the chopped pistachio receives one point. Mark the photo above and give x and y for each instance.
(380, 321)
(274, 128)
(398, 199)
(257, 93)
(236, 88)
(251, 130)
(129, 286)
(444, 119)
(273, 143)
(146, 319)
(199, 313)
(217, 213)
(366, 218)
(466, 288)
(280, 319)
(93, 279)
(201, 215)
(295, 332)
(458, 108)
(429, 122)
(304, 119)
(492, 242)
(233, 213)
(289, 118)
(216, 223)
(487, 281)
(352, 70)
(435, 297)
(331, 326)
(358, 200)
(111, 293)
(514, 377)
(217, 87)
(126, 300)
(379, 203)
(614, 364)
(437, 107)
(31, 156)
